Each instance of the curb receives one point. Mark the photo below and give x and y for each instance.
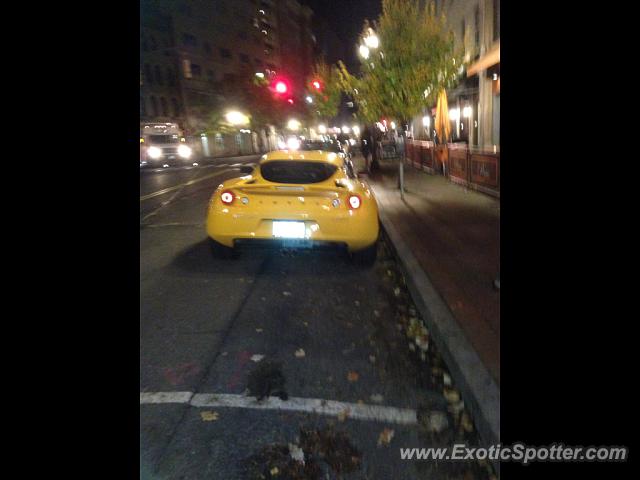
(479, 391)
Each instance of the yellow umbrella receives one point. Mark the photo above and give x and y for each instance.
(443, 126)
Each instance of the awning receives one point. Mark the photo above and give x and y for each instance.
(487, 60)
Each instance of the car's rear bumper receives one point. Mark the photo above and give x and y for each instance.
(355, 234)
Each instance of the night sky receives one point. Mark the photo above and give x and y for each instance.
(345, 18)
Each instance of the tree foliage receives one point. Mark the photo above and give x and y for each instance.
(415, 60)
(326, 101)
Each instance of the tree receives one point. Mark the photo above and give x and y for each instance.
(414, 61)
(326, 93)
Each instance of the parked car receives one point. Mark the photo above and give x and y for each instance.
(308, 197)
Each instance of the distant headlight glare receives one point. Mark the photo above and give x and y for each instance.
(184, 151)
(154, 152)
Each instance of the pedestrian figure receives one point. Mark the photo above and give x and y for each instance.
(365, 147)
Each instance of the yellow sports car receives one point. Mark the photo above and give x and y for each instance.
(296, 198)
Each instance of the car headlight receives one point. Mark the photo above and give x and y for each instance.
(154, 152)
(184, 151)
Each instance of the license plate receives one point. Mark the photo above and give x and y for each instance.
(288, 229)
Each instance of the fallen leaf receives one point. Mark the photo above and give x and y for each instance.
(376, 313)
(422, 341)
(224, 354)
(385, 436)
(372, 358)
(396, 291)
(357, 303)
(296, 453)
(465, 422)
(259, 330)
(352, 376)
(342, 416)
(446, 379)
(451, 395)
(208, 416)
(456, 408)
(274, 471)
(300, 353)
(377, 398)
(286, 294)
(437, 421)
(256, 358)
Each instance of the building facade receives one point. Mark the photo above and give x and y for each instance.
(474, 104)
(210, 47)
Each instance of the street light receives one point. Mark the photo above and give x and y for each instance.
(371, 40)
(356, 130)
(293, 124)
(466, 112)
(237, 118)
(345, 129)
(426, 121)
(364, 51)
(309, 99)
(322, 129)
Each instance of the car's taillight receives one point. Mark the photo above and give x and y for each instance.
(354, 201)
(226, 197)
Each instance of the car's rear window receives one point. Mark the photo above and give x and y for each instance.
(285, 171)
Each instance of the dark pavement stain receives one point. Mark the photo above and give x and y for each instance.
(266, 380)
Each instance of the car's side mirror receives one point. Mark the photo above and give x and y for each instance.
(246, 169)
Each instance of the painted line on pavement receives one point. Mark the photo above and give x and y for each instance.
(377, 413)
(182, 185)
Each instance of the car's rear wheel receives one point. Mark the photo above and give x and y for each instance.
(366, 257)
(219, 250)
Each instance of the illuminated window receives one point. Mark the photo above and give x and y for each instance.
(186, 68)
(496, 19)
(477, 25)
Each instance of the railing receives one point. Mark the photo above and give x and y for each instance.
(477, 169)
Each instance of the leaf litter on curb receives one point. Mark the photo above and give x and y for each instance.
(300, 353)
(317, 452)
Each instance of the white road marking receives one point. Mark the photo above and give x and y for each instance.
(377, 413)
(165, 397)
(182, 185)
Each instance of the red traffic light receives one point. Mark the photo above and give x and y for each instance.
(281, 87)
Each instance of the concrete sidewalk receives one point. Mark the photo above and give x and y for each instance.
(454, 234)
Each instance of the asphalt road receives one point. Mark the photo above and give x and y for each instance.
(206, 324)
